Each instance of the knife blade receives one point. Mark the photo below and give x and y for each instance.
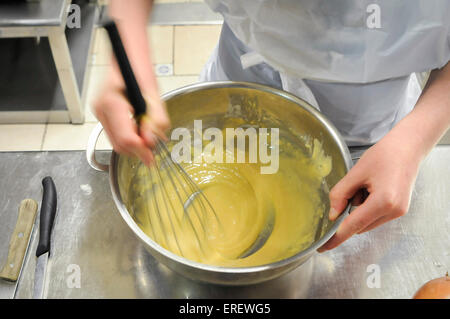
(46, 219)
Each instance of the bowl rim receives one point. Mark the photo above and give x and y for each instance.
(233, 270)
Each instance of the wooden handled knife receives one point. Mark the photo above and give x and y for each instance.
(19, 241)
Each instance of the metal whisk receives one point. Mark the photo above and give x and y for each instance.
(178, 206)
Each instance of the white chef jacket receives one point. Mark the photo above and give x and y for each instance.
(364, 76)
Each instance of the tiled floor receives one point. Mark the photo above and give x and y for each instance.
(179, 53)
(21, 137)
(190, 45)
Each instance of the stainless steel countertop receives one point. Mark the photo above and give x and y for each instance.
(90, 234)
(38, 13)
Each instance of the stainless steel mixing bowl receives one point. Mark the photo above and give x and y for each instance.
(204, 100)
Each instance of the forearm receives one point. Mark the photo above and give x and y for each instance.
(132, 18)
(419, 132)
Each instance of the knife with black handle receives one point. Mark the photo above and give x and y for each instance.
(47, 217)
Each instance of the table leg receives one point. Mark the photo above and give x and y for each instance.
(66, 74)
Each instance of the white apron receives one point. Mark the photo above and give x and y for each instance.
(363, 77)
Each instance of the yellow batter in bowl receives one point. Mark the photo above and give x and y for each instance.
(244, 200)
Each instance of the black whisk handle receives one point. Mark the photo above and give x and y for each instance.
(133, 91)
